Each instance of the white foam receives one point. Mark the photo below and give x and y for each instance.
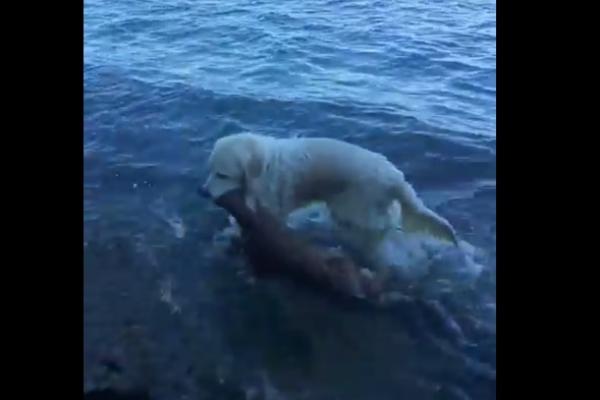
(166, 295)
(416, 257)
(173, 219)
(316, 215)
(177, 225)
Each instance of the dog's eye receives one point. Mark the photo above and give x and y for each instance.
(221, 176)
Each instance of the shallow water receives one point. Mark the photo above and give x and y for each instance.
(413, 80)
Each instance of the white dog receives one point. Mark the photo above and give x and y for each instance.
(367, 196)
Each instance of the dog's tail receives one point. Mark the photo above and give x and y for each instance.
(416, 217)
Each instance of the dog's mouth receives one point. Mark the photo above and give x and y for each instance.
(203, 192)
(225, 198)
(232, 199)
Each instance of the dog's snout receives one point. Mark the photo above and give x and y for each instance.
(203, 191)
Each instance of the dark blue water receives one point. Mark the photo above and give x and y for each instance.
(414, 80)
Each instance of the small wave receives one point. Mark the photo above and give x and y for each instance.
(422, 259)
(166, 288)
(169, 216)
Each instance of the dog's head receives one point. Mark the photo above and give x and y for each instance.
(234, 162)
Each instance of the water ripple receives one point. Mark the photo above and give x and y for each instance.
(414, 80)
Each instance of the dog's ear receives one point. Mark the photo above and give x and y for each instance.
(256, 161)
(255, 167)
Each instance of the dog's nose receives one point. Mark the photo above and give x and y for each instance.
(203, 191)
